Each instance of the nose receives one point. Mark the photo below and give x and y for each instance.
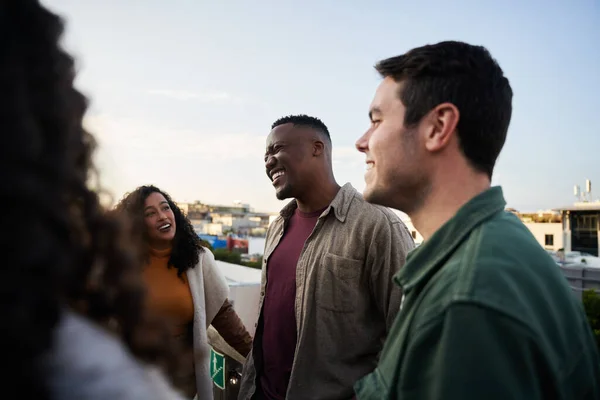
(270, 163)
(362, 144)
(161, 215)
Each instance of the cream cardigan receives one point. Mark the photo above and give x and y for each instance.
(209, 291)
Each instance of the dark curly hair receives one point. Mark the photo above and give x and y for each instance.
(61, 249)
(466, 76)
(186, 246)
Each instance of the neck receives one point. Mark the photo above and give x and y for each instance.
(319, 196)
(444, 201)
(160, 246)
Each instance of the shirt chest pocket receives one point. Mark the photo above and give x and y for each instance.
(338, 283)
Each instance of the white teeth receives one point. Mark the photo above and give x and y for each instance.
(277, 175)
(165, 226)
(369, 166)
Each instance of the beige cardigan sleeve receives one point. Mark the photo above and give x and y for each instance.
(216, 289)
(209, 291)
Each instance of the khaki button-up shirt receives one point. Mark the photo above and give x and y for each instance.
(345, 298)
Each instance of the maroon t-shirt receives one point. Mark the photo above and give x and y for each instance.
(278, 314)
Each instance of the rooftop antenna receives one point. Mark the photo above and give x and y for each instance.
(576, 193)
(588, 189)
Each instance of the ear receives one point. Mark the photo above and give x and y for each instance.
(441, 126)
(318, 147)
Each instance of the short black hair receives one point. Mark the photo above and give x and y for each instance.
(466, 76)
(303, 120)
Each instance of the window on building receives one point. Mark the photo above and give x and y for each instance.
(414, 234)
(549, 240)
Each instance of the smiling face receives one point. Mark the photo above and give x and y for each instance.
(396, 161)
(289, 161)
(160, 221)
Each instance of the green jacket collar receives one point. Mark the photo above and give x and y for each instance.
(423, 262)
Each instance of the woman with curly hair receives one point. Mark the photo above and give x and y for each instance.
(184, 283)
(73, 324)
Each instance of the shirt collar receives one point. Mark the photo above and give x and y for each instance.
(340, 204)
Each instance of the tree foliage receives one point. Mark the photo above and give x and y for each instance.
(236, 258)
(591, 304)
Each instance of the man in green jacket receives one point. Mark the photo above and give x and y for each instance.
(486, 313)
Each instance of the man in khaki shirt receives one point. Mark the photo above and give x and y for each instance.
(327, 297)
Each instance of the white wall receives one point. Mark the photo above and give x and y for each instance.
(244, 291)
(541, 229)
(245, 299)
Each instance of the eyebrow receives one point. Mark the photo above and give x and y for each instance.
(160, 204)
(270, 147)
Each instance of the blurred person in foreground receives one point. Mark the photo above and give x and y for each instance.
(327, 298)
(184, 283)
(487, 314)
(73, 325)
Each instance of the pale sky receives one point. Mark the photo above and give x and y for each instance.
(183, 92)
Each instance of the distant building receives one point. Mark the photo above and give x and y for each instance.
(542, 216)
(545, 225)
(238, 218)
(207, 227)
(581, 227)
(572, 228)
(581, 222)
(184, 207)
(548, 234)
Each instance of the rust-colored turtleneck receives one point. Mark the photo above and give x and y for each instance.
(168, 294)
